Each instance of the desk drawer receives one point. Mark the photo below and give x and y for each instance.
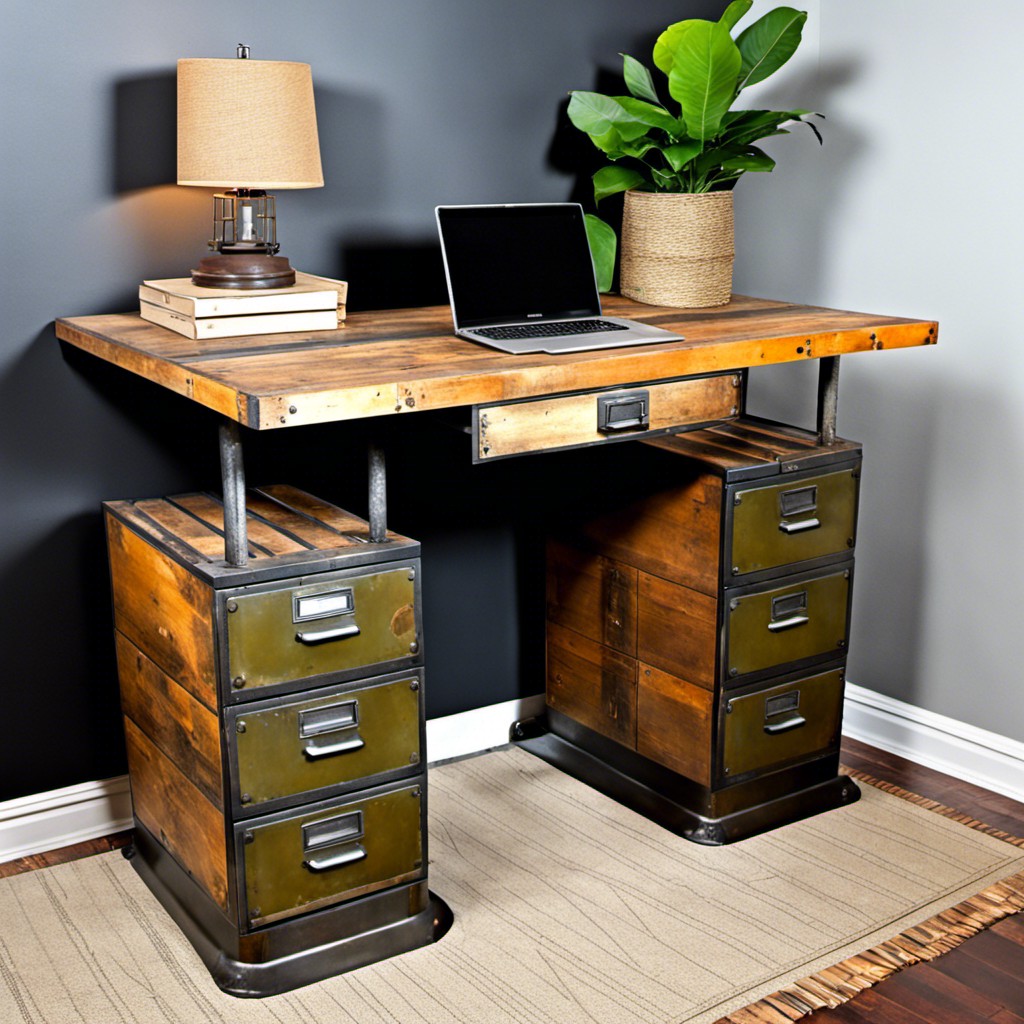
(791, 521)
(781, 724)
(299, 862)
(596, 417)
(335, 623)
(803, 618)
(343, 735)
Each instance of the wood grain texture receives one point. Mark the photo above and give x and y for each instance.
(405, 360)
(592, 595)
(185, 730)
(164, 610)
(547, 423)
(174, 809)
(592, 683)
(675, 534)
(674, 721)
(677, 630)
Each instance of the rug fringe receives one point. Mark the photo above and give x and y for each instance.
(920, 943)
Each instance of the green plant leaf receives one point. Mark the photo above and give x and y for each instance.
(596, 115)
(603, 244)
(769, 43)
(682, 153)
(648, 114)
(664, 47)
(611, 179)
(638, 79)
(734, 12)
(705, 64)
(753, 159)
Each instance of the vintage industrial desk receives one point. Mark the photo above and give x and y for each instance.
(404, 361)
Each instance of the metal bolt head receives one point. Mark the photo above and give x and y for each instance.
(412, 574)
(248, 837)
(246, 798)
(414, 758)
(292, 409)
(238, 682)
(734, 671)
(415, 791)
(240, 726)
(414, 685)
(414, 648)
(232, 606)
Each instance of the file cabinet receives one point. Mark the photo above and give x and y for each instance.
(697, 636)
(273, 716)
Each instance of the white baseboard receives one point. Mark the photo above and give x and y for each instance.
(62, 817)
(935, 741)
(479, 729)
(47, 821)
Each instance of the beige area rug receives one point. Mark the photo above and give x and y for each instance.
(569, 908)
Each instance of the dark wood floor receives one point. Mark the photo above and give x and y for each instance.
(982, 981)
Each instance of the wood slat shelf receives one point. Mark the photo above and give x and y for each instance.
(401, 361)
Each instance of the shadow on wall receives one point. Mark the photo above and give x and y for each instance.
(145, 135)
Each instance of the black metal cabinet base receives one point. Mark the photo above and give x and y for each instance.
(286, 956)
(695, 812)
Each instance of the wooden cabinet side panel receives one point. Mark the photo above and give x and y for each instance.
(674, 722)
(164, 610)
(592, 684)
(675, 534)
(677, 630)
(175, 811)
(179, 725)
(592, 595)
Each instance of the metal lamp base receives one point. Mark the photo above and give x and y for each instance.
(244, 271)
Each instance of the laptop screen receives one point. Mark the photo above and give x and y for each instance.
(517, 263)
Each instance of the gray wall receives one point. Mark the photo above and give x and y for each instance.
(913, 208)
(419, 103)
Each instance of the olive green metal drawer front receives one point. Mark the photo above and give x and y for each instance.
(350, 622)
(780, 724)
(787, 623)
(793, 521)
(300, 863)
(299, 746)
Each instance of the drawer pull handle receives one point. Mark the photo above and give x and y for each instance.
(321, 636)
(349, 856)
(341, 747)
(800, 526)
(794, 620)
(791, 723)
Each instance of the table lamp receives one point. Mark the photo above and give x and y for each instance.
(246, 126)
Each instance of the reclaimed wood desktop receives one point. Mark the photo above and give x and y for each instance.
(406, 361)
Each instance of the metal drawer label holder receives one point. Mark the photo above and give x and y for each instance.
(343, 831)
(336, 718)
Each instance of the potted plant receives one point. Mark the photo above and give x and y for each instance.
(678, 158)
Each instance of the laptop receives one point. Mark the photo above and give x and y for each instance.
(520, 279)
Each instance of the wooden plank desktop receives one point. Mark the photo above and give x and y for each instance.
(405, 360)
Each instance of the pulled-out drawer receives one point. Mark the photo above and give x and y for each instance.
(781, 724)
(596, 417)
(339, 737)
(295, 862)
(800, 619)
(332, 623)
(791, 521)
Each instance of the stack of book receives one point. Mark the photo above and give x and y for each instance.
(311, 304)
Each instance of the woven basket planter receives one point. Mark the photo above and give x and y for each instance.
(677, 249)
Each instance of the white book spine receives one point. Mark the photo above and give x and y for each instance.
(239, 326)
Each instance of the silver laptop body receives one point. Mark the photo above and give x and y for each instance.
(521, 279)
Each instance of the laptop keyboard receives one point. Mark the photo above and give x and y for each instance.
(556, 330)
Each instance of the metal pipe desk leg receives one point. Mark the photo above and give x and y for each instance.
(828, 398)
(232, 471)
(378, 496)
